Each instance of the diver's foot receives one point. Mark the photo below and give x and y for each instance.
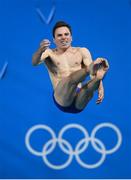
(100, 63)
(101, 73)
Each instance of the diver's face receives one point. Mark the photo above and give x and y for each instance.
(62, 38)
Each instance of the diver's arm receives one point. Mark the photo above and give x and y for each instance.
(37, 56)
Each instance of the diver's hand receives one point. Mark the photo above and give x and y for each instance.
(100, 96)
(44, 44)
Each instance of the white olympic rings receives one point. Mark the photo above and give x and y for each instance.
(67, 148)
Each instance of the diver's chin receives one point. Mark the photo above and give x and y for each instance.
(65, 47)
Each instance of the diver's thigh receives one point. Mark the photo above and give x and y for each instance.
(65, 92)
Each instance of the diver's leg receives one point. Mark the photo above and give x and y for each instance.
(65, 91)
(87, 91)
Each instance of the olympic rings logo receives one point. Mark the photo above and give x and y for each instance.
(67, 148)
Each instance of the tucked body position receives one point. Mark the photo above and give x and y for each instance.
(68, 67)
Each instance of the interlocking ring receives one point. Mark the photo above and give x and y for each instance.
(57, 167)
(28, 136)
(97, 128)
(50, 145)
(75, 126)
(97, 164)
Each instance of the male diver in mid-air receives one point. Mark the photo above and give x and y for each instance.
(68, 67)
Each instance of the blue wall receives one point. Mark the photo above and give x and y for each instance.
(104, 27)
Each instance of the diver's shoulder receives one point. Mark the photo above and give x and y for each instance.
(80, 49)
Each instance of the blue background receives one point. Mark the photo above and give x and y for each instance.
(104, 27)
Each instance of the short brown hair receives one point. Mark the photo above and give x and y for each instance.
(61, 24)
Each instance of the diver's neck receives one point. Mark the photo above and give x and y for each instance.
(62, 50)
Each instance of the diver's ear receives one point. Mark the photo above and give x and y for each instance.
(53, 40)
(71, 39)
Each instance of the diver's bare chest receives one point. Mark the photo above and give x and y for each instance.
(67, 59)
